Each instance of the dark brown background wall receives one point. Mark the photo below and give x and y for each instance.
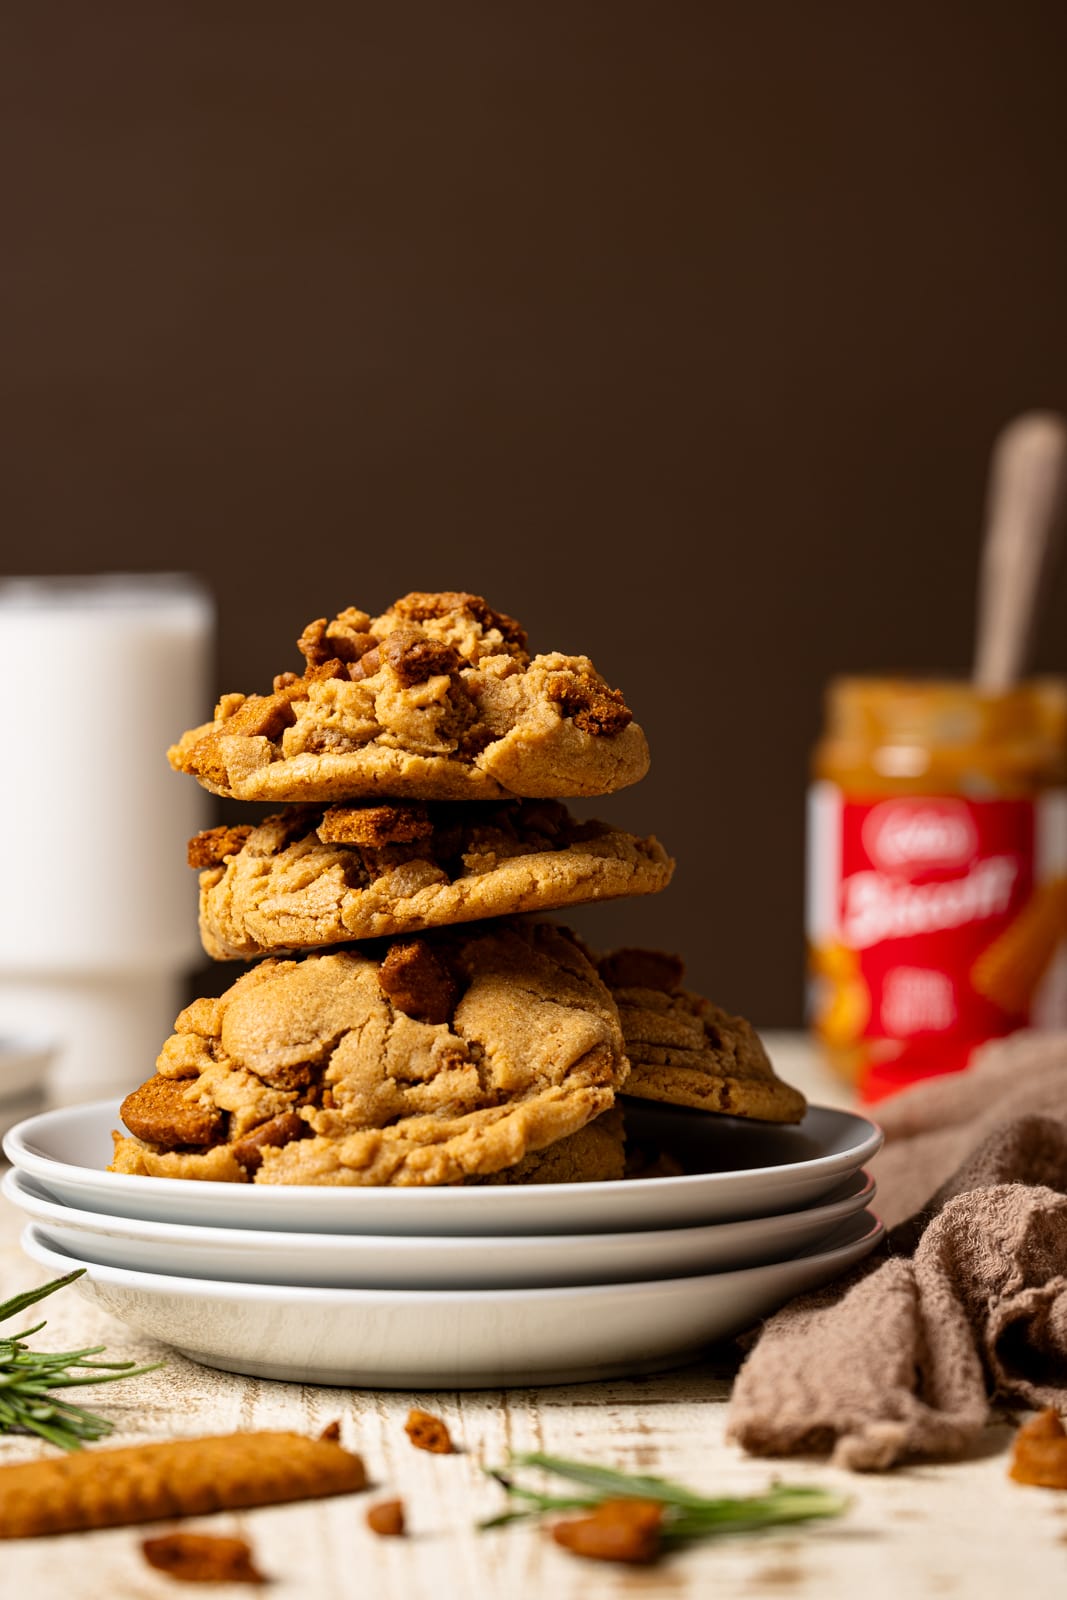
(679, 330)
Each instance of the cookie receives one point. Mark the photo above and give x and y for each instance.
(595, 1154)
(436, 699)
(429, 1061)
(688, 1052)
(309, 877)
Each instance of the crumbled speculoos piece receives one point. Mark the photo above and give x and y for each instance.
(594, 707)
(386, 1518)
(642, 969)
(414, 658)
(202, 1558)
(332, 1431)
(210, 848)
(257, 716)
(367, 665)
(418, 981)
(418, 606)
(618, 1530)
(279, 1130)
(347, 637)
(320, 672)
(428, 1432)
(311, 642)
(1039, 1454)
(374, 826)
(265, 714)
(160, 1113)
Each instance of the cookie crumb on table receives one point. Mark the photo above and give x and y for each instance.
(1039, 1455)
(386, 1518)
(428, 1432)
(618, 1530)
(202, 1558)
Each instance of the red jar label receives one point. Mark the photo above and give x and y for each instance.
(935, 917)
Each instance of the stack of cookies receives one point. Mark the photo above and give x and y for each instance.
(406, 1021)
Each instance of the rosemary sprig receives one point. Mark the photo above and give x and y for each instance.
(537, 1502)
(687, 1515)
(28, 1377)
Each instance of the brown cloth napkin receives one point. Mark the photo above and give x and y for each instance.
(967, 1302)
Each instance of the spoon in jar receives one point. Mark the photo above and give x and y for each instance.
(1026, 499)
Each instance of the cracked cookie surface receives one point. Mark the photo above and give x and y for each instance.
(309, 878)
(325, 1071)
(685, 1050)
(436, 699)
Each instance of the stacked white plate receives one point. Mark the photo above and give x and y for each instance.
(459, 1288)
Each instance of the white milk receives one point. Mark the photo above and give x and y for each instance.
(101, 674)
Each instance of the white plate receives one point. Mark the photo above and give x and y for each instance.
(381, 1261)
(736, 1169)
(454, 1339)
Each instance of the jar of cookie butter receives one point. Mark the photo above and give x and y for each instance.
(937, 873)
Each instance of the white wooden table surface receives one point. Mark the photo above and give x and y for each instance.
(958, 1529)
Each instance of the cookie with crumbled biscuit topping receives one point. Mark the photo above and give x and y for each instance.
(685, 1050)
(303, 880)
(436, 699)
(342, 1069)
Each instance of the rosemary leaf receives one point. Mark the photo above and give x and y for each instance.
(627, 1485)
(686, 1516)
(21, 1302)
(504, 1520)
(28, 1379)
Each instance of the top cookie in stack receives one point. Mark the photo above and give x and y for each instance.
(436, 699)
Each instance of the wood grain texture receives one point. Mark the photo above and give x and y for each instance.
(959, 1529)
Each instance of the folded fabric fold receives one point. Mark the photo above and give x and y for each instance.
(966, 1305)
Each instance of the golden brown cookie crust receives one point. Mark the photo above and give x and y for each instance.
(595, 1154)
(686, 1051)
(531, 1054)
(436, 699)
(308, 880)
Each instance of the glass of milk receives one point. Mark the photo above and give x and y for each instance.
(98, 908)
